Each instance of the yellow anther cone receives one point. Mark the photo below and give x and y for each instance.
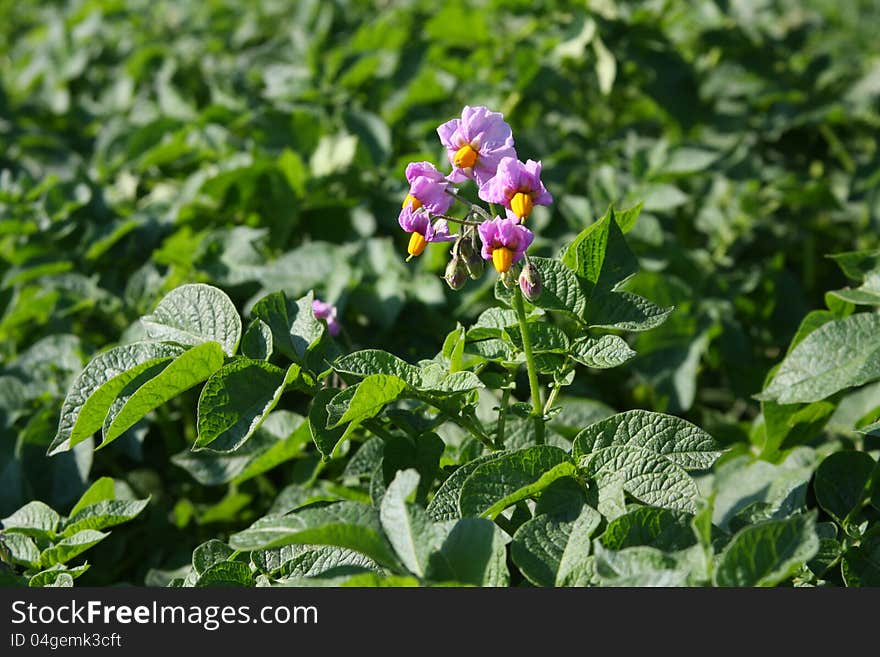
(521, 205)
(502, 258)
(417, 244)
(465, 157)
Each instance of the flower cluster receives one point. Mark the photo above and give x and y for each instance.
(480, 147)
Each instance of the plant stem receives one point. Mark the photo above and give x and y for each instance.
(502, 416)
(551, 398)
(537, 406)
(456, 220)
(473, 207)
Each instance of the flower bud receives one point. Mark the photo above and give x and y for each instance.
(470, 255)
(456, 274)
(530, 282)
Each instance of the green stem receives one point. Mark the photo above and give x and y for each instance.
(551, 398)
(537, 406)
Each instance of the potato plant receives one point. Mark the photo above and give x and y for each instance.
(332, 295)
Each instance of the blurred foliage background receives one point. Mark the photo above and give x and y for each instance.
(261, 146)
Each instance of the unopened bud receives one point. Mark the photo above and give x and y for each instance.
(470, 255)
(530, 282)
(456, 274)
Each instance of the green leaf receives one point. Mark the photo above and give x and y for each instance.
(34, 519)
(370, 397)
(19, 549)
(678, 440)
(602, 353)
(780, 489)
(872, 429)
(647, 476)
(187, 370)
(839, 354)
(431, 377)
(94, 390)
(445, 503)
(311, 561)
(257, 341)
(408, 527)
(193, 314)
(236, 400)
(473, 552)
(625, 311)
(561, 290)
(71, 546)
(289, 435)
(345, 524)
(626, 219)
(491, 323)
(375, 361)
(600, 255)
(226, 573)
(861, 563)
(548, 548)
(103, 514)
(515, 476)
(103, 489)
(840, 483)
(281, 436)
(57, 575)
(210, 554)
(325, 439)
(644, 566)
(295, 330)
(768, 553)
(545, 338)
(664, 529)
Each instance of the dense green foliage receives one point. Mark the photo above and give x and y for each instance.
(179, 181)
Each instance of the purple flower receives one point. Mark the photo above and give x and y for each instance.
(423, 230)
(427, 188)
(327, 312)
(476, 143)
(504, 242)
(517, 187)
(427, 195)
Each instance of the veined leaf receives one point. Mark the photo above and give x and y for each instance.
(187, 370)
(647, 476)
(678, 440)
(236, 400)
(193, 314)
(561, 289)
(408, 527)
(295, 330)
(496, 484)
(345, 524)
(602, 353)
(71, 546)
(94, 390)
(548, 548)
(35, 519)
(840, 482)
(370, 397)
(102, 515)
(839, 354)
(767, 553)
